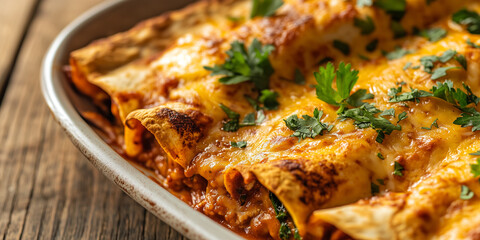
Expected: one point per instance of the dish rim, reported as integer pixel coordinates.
(173, 211)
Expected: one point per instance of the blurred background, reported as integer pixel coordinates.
(48, 190)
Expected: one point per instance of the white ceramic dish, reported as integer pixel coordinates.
(64, 102)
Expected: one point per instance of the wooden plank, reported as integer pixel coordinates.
(15, 16)
(48, 189)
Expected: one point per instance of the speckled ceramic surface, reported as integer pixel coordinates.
(104, 20)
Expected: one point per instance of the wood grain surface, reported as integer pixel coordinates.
(15, 16)
(48, 190)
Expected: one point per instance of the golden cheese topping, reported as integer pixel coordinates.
(355, 179)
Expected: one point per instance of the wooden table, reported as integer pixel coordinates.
(47, 188)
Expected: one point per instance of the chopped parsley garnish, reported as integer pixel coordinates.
(460, 58)
(381, 181)
(282, 216)
(371, 46)
(366, 25)
(363, 57)
(363, 114)
(388, 112)
(361, 3)
(407, 66)
(374, 188)
(396, 95)
(470, 19)
(269, 99)
(477, 153)
(244, 65)
(434, 124)
(441, 72)
(308, 126)
(398, 169)
(397, 53)
(433, 34)
(379, 155)
(395, 8)
(428, 63)
(233, 122)
(247, 65)
(235, 19)
(241, 144)
(398, 30)
(364, 117)
(265, 8)
(402, 116)
(299, 78)
(469, 119)
(475, 168)
(460, 99)
(466, 193)
(342, 47)
(346, 79)
(457, 97)
(471, 44)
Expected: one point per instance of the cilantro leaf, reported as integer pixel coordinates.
(398, 169)
(241, 144)
(397, 53)
(379, 155)
(361, 3)
(366, 25)
(265, 8)
(346, 79)
(407, 66)
(441, 72)
(374, 188)
(398, 30)
(232, 124)
(388, 112)
(447, 55)
(363, 57)
(402, 116)
(269, 99)
(469, 19)
(457, 97)
(428, 63)
(395, 8)
(469, 119)
(477, 153)
(364, 117)
(371, 46)
(466, 193)
(414, 95)
(475, 168)
(471, 44)
(434, 124)
(308, 126)
(342, 47)
(433, 34)
(357, 98)
(244, 65)
(299, 78)
(460, 58)
(248, 120)
(282, 216)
